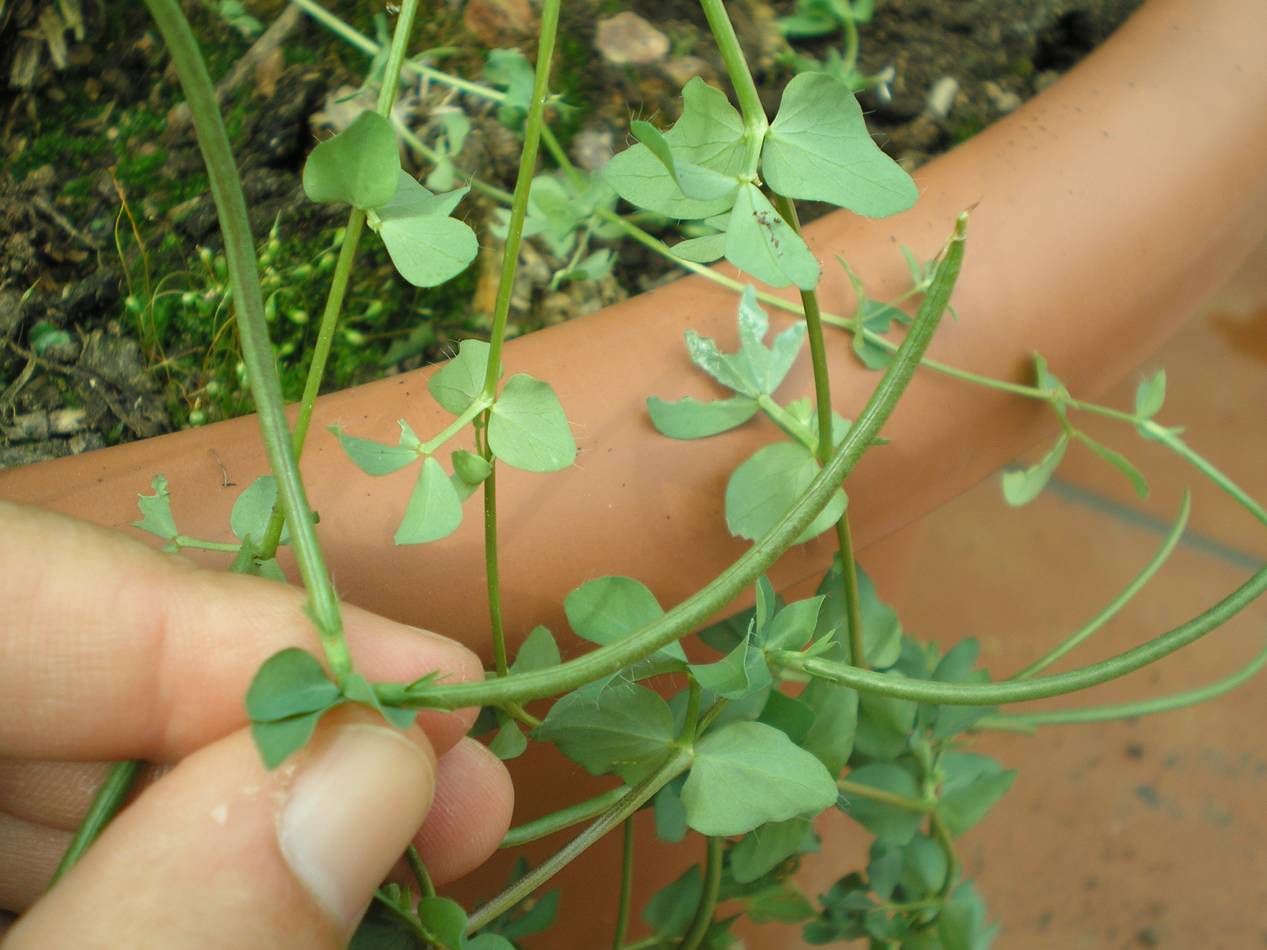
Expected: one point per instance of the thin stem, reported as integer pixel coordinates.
(853, 600)
(564, 818)
(697, 608)
(1128, 593)
(425, 886)
(703, 918)
(991, 694)
(523, 186)
(636, 797)
(257, 353)
(1172, 441)
(105, 805)
(492, 572)
(858, 790)
(850, 60)
(198, 544)
(1147, 707)
(431, 446)
(942, 834)
(690, 722)
(787, 422)
(626, 885)
(736, 64)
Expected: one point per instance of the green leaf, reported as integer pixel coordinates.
(425, 244)
(444, 920)
(884, 724)
(702, 250)
(765, 367)
(359, 166)
(670, 909)
(289, 682)
(695, 181)
(890, 823)
(765, 847)
(434, 510)
(973, 784)
(461, 379)
(509, 70)
(740, 672)
(959, 666)
(670, 813)
(357, 689)
(818, 148)
(1118, 461)
(830, 737)
(253, 509)
(622, 728)
(529, 429)
(537, 652)
(278, 738)
(881, 627)
(1023, 486)
(608, 609)
(510, 742)
(489, 941)
(376, 458)
(793, 626)
(783, 905)
(762, 489)
(790, 716)
(1150, 396)
(382, 929)
(924, 868)
(691, 419)
(759, 242)
(156, 511)
(710, 134)
(962, 925)
(471, 468)
(747, 774)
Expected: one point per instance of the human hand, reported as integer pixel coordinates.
(110, 650)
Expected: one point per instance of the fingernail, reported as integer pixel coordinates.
(354, 805)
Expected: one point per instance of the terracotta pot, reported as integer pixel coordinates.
(1106, 210)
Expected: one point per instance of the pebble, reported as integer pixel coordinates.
(1002, 99)
(628, 39)
(941, 97)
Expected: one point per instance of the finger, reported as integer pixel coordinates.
(110, 650)
(57, 794)
(223, 853)
(29, 853)
(470, 814)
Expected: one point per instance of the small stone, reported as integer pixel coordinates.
(498, 22)
(591, 148)
(941, 97)
(680, 70)
(627, 38)
(1002, 99)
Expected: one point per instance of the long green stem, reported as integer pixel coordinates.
(105, 805)
(1078, 637)
(257, 353)
(523, 186)
(492, 571)
(637, 796)
(991, 694)
(564, 818)
(623, 900)
(905, 802)
(1146, 707)
(703, 918)
(425, 886)
(736, 64)
(715, 595)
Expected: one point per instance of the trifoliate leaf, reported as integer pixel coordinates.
(156, 511)
(691, 419)
(426, 245)
(818, 148)
(1022, 486)
(740, 672)
(290, 682)
(357, 689)
(461, 379)
(747, 774)
(529, 429)
(891, 823)
(625, 728)
(375, 458)
(764, 367)
(765, 847)
(763, 488)
(434, 510)
(359, 166)
(278, 738)
(759, 242)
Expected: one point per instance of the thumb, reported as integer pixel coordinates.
(220, 852)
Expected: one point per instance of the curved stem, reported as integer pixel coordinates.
(1128, 593)
(703, 918)
(858, 790)
(992, 694)
(105, 805)
(425, 886)
(626, 886)
(1146, 707)
(697, 608)
(239, 251)
(636, 797)
(564, 818)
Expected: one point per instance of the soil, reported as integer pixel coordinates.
(114, 322)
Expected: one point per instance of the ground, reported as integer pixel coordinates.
(114, 321)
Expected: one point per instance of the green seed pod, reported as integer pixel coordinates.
(133, 304)
(197, 418)
(297, 316)
(353, 337)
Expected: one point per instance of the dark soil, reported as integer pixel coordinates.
(114, 324)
